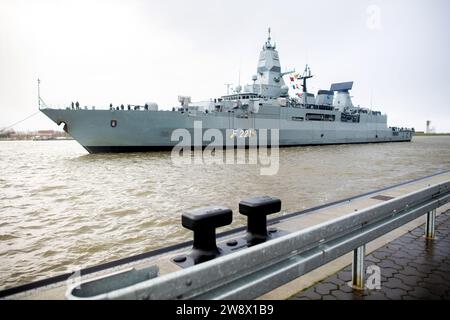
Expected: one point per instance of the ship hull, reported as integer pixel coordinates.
(102, 131)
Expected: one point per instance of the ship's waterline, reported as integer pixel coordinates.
(62, 209)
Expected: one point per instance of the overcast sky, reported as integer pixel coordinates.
(131, 52)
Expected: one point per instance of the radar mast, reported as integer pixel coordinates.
(305, 76)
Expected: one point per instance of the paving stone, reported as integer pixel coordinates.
(437, 259)
(410, 271)
(345, 276)
(417, 247)
(373, 260)
(409, 280)
(353, 294)
(399, 263)
(389, 264)
(342, 295)
(375, 295)
(403, 254)
(441, 265)
(348, 268)
(408, 297)
(395, 294)
(309, 294)
(388, 250)
(418, 233)
(313, 295)
(435, 289)
(423, 294)
(394, 283)
(405, 240)
(421, 268)
(300, 298)
(325, 288)
(381, 255)
(431, 261)
(328, 297)
(346, 288)
(388, 272)
(444, 275)
(434, 278)
(444, 267)
(395, 246)
(337, 281)
(384, 278)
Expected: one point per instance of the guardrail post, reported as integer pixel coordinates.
(430, 224)
(358, 267)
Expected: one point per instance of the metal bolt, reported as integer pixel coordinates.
(232, 243)
(180, 259)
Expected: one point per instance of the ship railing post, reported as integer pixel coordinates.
(430, 224)
(358, 267)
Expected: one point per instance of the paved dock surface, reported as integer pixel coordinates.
(412, 267)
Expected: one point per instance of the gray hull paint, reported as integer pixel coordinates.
(152, 130)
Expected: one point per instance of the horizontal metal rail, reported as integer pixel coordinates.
(251, 272)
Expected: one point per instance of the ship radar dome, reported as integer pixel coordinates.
(284, 90)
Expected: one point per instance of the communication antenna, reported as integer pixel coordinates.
(39, 93)
(305, 76)
(228, 87)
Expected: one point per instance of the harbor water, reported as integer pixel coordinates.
(62, 209)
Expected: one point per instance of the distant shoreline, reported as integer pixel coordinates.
(421, 134)
(61, 139)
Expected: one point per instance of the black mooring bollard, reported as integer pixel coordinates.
(257, 209)
(203, 222)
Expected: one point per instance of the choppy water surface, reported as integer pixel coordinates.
(62, 209)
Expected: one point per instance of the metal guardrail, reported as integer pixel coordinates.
(251, 272)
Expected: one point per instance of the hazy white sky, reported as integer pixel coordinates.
(97, 52)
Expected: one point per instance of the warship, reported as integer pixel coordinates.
(268, 103)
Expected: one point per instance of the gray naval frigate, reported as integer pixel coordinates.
(300, 118)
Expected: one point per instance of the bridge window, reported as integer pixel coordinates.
(320, 117)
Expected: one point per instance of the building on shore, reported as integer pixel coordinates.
(34, 135)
